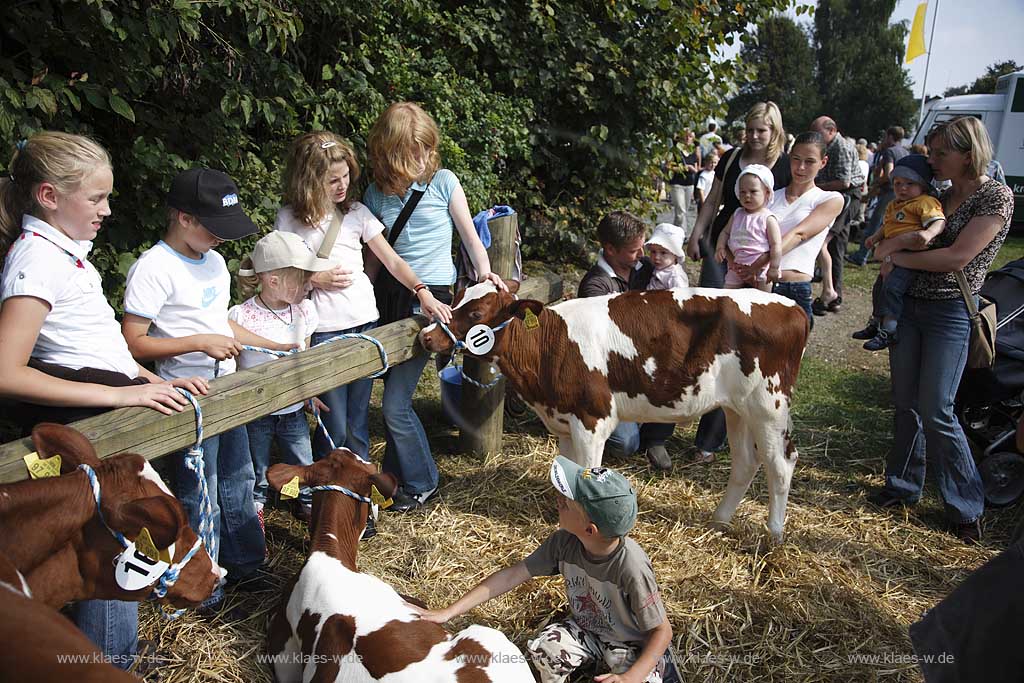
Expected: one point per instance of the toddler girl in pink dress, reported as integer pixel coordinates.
(752, 231)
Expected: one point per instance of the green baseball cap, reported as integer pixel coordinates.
(605, 494)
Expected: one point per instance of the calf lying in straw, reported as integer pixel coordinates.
(65, 534)
(35, 635)
(337, 624)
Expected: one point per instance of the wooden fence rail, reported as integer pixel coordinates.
(244, 396)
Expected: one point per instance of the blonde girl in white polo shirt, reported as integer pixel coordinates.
(55, 323)
(62, 356)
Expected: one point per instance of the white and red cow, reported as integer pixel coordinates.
(584, 365)
(53, 535)
(337, 624)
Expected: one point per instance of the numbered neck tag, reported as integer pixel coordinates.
(530, 320)
(40, 469)
(479, 339)
(291, 489)
(134, 569)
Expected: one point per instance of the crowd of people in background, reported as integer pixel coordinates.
(927, 213)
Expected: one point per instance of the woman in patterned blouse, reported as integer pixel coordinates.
(929, 357)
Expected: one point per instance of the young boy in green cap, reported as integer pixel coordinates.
(617, 616)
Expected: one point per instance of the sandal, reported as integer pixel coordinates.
(818, 306)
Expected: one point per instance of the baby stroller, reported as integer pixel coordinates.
(989, 400)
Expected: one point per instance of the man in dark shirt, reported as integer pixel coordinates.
(621, 266)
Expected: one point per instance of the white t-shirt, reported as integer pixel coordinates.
(290, 325)
(354, 305)
(865, 170)
(705, 179)
(183, 297)
(790, 215)
(80, 330)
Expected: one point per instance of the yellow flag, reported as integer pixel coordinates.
(915, 46)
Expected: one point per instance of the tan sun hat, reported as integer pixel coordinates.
(285, 250)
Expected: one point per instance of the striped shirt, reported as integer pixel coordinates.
(426, 240)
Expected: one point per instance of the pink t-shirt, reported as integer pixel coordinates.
(748, 238)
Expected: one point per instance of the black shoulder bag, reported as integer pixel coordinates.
(395, 300)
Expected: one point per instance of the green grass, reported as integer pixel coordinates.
(863, 278)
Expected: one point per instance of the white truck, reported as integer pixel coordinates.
(1003, 116)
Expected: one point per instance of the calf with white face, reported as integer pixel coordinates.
(339, 624)
(584, 365)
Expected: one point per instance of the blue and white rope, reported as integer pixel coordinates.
(171, 574)
(342, 489)
(459, 345)
(195, 462)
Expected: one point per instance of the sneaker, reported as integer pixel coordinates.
(406, 502)
(702, 457)
(969, 532)
(370, 530)
(868, 332)
(854, 261)
(302, 512)
(880, 341)
(884, 499)
(220, 611)
(254, 582)
(659, 459)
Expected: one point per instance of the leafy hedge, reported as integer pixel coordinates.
(561, 108)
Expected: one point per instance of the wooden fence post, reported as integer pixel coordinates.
(482, 410)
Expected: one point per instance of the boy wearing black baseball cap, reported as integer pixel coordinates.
(176, 314)
(914, 208)
(617, 620)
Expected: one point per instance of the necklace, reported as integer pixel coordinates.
(291, 313)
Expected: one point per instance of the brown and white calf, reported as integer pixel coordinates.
(337, 624)
(584, 365)
(40, 644)
(53, 535)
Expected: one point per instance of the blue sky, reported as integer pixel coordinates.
(969, 36)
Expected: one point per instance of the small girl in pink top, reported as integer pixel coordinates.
(752, 231)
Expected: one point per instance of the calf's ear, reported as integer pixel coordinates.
(513, 286)
(70, 444)
(519, 307)
(162, 515)
(280, 474)
(385, 483)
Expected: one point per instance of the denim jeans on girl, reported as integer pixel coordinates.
(112, 625)
(926, 364)
(230, 480)
(348, 421)
(291, 432)
(800, 292)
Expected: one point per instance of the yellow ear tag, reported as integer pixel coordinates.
(291, 489)
(378, 498)
(40, 469)
(144, 544)
(530, 320)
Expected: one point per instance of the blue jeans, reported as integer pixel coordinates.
(629, 437)
(230, 479)
(112, 625)
(291, 431)
(894, 286)
(711, 430)
(348, 421)
(926, 364)
(800, 292)
(407, 451)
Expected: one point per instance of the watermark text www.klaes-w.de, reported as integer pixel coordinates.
(900, 658)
